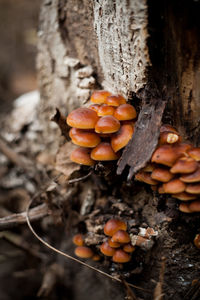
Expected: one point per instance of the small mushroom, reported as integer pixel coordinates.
(104, 152)
(84, 252)
(121, 236)
(145, 177)
(94, 107)
(193, 188)
(82, 156)
(82, 118)
(165, 155)
(99, 97)
(78, 240)
(161, 174)
(115, 100)
(168, 128)
(167, 137)
(128, 248)
(113, 244)
(174, 186)
(113, 225)
(194, 206)
(106, 249)
(193, 177)
(125, 112)
(121, 138)
(107, 124)
(184, 165)
(106, 110)
(194, 153)
(184, 196)
(121, 256)
(84, 138)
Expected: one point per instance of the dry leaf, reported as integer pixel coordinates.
(63, 162)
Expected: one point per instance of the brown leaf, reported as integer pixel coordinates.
(63, 162)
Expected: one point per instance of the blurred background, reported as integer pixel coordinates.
(18, 48)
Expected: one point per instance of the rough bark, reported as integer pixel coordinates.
(109, 44)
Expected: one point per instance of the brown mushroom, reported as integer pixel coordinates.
(113, 244)
(128, 248)
(184, 165)
(145, 177)
(84, 138)
(82, 118)
(113, 225)
(104, 152)
(194, 153)
(184, 196)
(193, 188)
(121, 138)
(193, 177)
(94, 107)
(106, 249)
(83, 252)
(125, 112)
(107, 124)
(121, 256)
(82, 156)
(174, 186)
(167, 127)
(168, 137)
(99, 97)
(78, 240)
(121, 236)
(161, 174)
(115, 100)
(106, 110)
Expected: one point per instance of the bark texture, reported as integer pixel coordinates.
(111, 44)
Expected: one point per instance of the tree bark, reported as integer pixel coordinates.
(125, 47)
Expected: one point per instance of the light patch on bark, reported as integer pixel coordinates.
(121, 28)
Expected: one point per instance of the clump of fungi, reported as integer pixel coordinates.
(83, 251)
(102, 129)
(118, 245)
(174, 169)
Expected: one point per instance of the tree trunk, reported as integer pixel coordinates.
(124, 47)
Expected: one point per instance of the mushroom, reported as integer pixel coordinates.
(168, 128)
(194, 206)
(94, 107)
(184, 196)
(82, 118)
(193, 188)
(194, 153)
(78, 240)
(184, 165)
(83, 252)
(174, 186)
(128, 248)
(84, 138)
(115, 100)
(113, 244)
(121, 256)
(145, 177)
(121, 138)
(165, 155)
(167, 137)
(82, 156)
(121, 236)
(107, 124)
(105, 110)
(99, 97)
(106, 249)
(113, 225)
(193, 177)
(161, 174)
(104, 152)
(125, 112)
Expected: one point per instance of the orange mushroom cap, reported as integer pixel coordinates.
(174, 186)
(194, 153)
(121, 256)
(82, 118)
(128, 248)
(106, 249)
(121, 236)
(84, 138)
(121, 138)
(83, 252)
(115, 100)
(104, 152)
(78, 240)
(125, 112)
(105, 110)
(145, 177)
(113, 225)
(82, 156)
(107, 124)
(99, 97)
(161, 174)
(193, 188)
(113, 244)
(168, 137)
(184, 196)
(193, 177)
(165, 155)
(94, 107)
(184, 165)
(96, 257)
(194, 206)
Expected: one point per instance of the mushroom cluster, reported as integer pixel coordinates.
(118, 245)
(174, 169)
(83, 251)
(102, 129)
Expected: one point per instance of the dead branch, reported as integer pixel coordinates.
(13, 220)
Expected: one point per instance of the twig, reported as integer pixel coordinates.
(13, 220)
(80, 178)
(71, 257)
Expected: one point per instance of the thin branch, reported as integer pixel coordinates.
(13, 220)
(80, 178)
